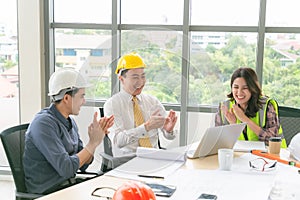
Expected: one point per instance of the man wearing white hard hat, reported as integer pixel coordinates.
(54, 151)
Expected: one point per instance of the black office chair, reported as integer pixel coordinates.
(290, 121)
(13, 140)
(110, 162)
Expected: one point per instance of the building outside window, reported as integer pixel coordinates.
(9, 70)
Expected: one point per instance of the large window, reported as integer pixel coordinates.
(214, 56)
(88, 51)
(224, 13)
(282, 13)
(9, 79)
(9, 76)
(191, 47)
(161, 51)
(202, 50)
(281, 68)
(151, 12)
(78, 11)
(281, 78)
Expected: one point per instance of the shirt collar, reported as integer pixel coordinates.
(66, 122)
(129, 96)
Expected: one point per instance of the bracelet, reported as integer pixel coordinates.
(172, 132)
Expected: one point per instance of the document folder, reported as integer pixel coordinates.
(150, 164)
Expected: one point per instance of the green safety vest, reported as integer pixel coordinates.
(259, 119)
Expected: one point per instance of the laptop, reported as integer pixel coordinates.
(215, 138)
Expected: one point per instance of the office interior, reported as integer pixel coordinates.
(260, 22)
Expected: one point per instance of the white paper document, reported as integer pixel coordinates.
(150, 162)
(226, 185)
(119, 153)
(159, 154)
(247, 146)
(284, 181)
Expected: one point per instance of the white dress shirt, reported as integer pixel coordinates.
(125, 133)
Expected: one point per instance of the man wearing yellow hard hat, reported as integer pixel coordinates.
(139, 117)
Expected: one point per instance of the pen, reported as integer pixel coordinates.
(275, 157)
(149, 176)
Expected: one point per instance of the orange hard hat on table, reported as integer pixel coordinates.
(134, 190)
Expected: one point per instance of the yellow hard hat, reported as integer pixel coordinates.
(130, 61)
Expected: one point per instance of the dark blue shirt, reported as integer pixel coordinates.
(51, 145)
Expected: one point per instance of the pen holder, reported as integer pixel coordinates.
(274, 145)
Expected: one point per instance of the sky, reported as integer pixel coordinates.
(204, 12)
(8, 14)
(283, 12)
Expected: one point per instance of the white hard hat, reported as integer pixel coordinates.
(65, 78)
(294, 147)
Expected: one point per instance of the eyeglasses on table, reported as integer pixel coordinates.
(261, 164)
(105, 193)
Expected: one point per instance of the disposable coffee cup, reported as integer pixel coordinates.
(274, 145)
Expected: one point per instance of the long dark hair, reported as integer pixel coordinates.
(254, 103)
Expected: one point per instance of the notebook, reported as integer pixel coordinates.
(247, 146)
(150, 163)
(215, 138)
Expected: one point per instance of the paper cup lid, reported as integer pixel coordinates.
(275, 139)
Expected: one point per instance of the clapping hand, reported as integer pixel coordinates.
(170, 121)
(239, 113)
(234, 113)
(97, 129)
(229, 114)
(155, 121)
(106, 123)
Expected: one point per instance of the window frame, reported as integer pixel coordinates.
(116, 27)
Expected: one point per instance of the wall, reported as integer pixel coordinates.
(30, 58)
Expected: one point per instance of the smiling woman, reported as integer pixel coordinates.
(247, 104)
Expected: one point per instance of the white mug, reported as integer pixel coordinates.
(225, 157)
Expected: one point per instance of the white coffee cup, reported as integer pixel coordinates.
(225, 157)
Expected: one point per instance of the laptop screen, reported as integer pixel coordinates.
(215, 138)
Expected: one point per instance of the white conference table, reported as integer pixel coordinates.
(193, 171)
